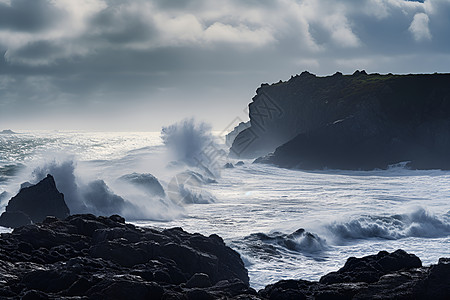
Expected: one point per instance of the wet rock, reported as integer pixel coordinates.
(104, 258)
(88, 257)
(396, 275)
(35, 203)
(371, 268)
(199, 280)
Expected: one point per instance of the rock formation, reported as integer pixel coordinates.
(396, 275)
(88, 257)
(105, 258)
(357, 121)
(229, 138)
(34, 203)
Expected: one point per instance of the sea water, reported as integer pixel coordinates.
(284, 223)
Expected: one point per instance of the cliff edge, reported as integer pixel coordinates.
(356, 121)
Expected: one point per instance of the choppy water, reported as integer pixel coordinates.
(257, 209)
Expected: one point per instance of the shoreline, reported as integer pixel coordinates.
(87, 257)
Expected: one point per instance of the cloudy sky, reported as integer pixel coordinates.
(141, 64)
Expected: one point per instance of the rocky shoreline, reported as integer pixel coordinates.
(89, 257)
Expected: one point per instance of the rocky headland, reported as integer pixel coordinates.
(357, 121)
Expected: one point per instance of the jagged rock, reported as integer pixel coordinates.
(396, 275)
(370, 268)
(229, 138)
(100, 257)
(240, 163)
(88, 257)
(357, 121)
(35, 203)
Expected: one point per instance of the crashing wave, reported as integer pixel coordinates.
(146, 181)
(98, 198)
(187, 188)
(193, 144)
(298, 241)
(418, 223)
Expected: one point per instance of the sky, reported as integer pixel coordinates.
(138, 65)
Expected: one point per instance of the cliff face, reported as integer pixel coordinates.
(354, 121)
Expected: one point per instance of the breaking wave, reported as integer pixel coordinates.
(134, 199)
(192, 143)
(187, 188)
(418, 223)
(273, 244)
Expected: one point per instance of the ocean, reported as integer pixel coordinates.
(284, 223)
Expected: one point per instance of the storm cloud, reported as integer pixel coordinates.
(137, 65)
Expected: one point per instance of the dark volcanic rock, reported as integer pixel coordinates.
(88, 257)
(34, 204)
(396, 275)
(105, 258)
(354, 121)
(370, 268)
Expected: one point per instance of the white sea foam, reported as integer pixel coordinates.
(348, 213)
(418, 223)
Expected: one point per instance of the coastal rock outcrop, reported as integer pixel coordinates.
(34, 203)
(88, 257)
(396, 275)
(357, 121)
(101, 257)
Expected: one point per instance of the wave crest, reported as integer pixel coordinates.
(418, 223)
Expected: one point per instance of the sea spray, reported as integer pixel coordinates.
(418, 223)
(84, 194)
(193, 144)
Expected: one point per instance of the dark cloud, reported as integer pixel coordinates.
(147, 62)
(29, 16)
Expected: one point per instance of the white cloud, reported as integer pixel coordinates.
(178, 30)
(88, 51)
(419, 27)
(224, 33)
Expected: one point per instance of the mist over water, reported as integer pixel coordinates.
(284, 223)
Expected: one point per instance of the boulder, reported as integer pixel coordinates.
(34, 203)
(371, 268)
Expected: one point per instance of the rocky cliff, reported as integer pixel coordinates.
(357, 121)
